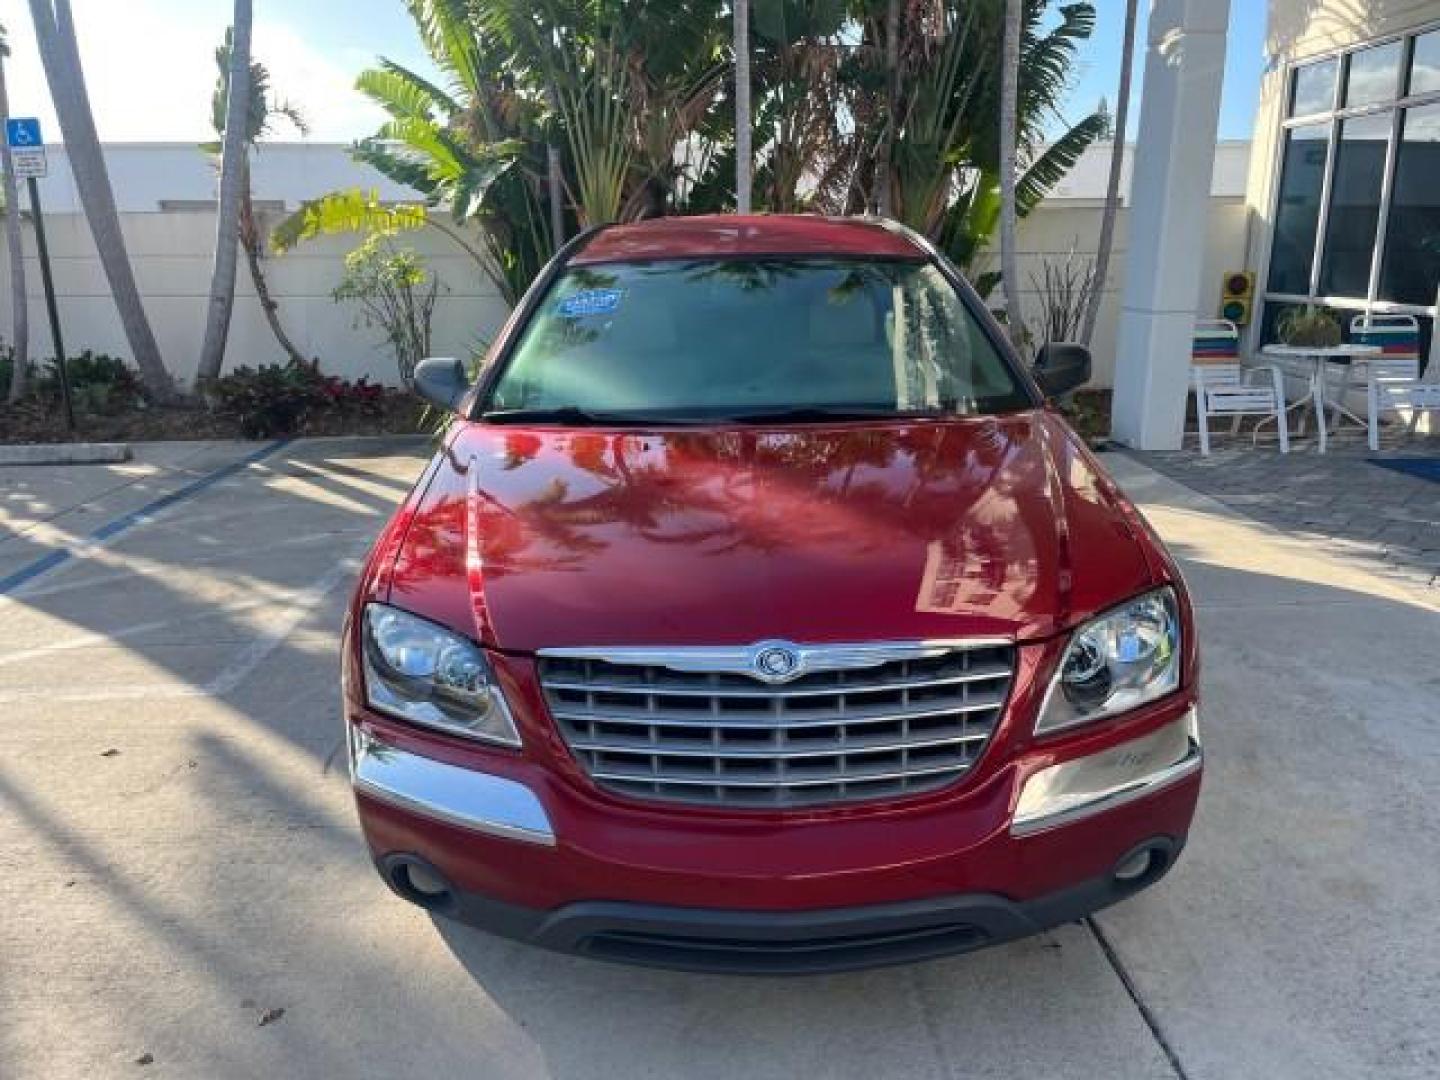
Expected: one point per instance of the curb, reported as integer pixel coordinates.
(64, 454)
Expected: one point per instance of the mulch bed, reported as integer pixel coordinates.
(398, 413)
(1089, 413)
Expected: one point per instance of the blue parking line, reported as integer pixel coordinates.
(46, 563)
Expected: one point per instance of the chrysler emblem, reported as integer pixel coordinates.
(776, 663)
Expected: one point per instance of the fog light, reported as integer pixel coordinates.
(424, 881)
(1075, 789)
(1136, 866)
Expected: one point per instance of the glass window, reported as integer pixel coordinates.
(1355, 205)
(1314, 89)
(1374, 74)
(1297, 214)
(1425, 67)
(1410, 271)
(696, 339)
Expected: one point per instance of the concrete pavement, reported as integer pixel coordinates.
(179, 858)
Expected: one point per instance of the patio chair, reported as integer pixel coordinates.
(1224, 388)
(1391, 381)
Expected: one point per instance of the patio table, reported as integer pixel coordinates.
(1316, 358)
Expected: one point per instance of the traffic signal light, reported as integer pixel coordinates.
(1237, 296)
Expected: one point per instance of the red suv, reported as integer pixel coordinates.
(758, 614)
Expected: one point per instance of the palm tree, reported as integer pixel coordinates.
(253, 123)
(227, 214)
(522, 76)
(1112, 190)
(1009, 102)
(1049, 42)
(744, 155)
(60, 55)
(14, 238)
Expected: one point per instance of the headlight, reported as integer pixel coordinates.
(1121, 659)
(423, 673)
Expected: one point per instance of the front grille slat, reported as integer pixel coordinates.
(680, 689)
(712, 750)
(873, 730)
(766, 719)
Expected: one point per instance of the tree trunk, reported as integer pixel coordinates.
(1112, 191)
(1009, 95)
(251, 241)
(60, 55)
(555, 192)
(15, 240)
(884, 199)
(743, 150)
(233, 175)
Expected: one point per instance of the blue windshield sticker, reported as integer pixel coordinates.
(590, 302)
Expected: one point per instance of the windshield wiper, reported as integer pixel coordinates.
(816, 414)
(574, 416)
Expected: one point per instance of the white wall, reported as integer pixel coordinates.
(171, 253)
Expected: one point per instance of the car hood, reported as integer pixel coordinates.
(534, 538)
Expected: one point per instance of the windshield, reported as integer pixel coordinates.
(735, 338)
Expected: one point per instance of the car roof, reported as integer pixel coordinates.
(731, 235)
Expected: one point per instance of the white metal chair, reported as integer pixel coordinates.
(1224, 388)
(1391, 381)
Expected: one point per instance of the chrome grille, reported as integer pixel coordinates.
(858, 725)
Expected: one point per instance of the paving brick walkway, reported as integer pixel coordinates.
(1341, 500)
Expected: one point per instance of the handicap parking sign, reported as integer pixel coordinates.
(27, 147)
(24, 131)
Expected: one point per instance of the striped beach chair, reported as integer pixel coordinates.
(1391, 381)
(1224, 388)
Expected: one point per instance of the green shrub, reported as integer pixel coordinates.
(99, 383)
(278, 399)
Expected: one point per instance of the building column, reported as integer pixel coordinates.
(1169, 219)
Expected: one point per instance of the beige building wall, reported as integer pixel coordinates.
(1058, 226)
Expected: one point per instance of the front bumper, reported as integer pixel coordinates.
(728, 941)
(525, 853)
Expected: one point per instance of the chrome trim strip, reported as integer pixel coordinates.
(993, 674)
(472, 800)
(780, 782)
(1118, 794)
(770, 753)
(767, 722)
(741, 659)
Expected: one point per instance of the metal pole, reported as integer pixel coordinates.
(50, 304)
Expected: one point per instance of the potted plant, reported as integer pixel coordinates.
(1309, 326)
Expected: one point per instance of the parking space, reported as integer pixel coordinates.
(182, 878)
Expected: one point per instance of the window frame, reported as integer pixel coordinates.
(1333, 118)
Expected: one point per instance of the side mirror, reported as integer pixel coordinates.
(441, 381)
(1061, 367)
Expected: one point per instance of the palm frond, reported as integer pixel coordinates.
(395, 94)
(346, 212)
(450, 38)
(1042, 174)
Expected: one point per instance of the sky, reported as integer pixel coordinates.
(150, 66)
(1099, 74)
